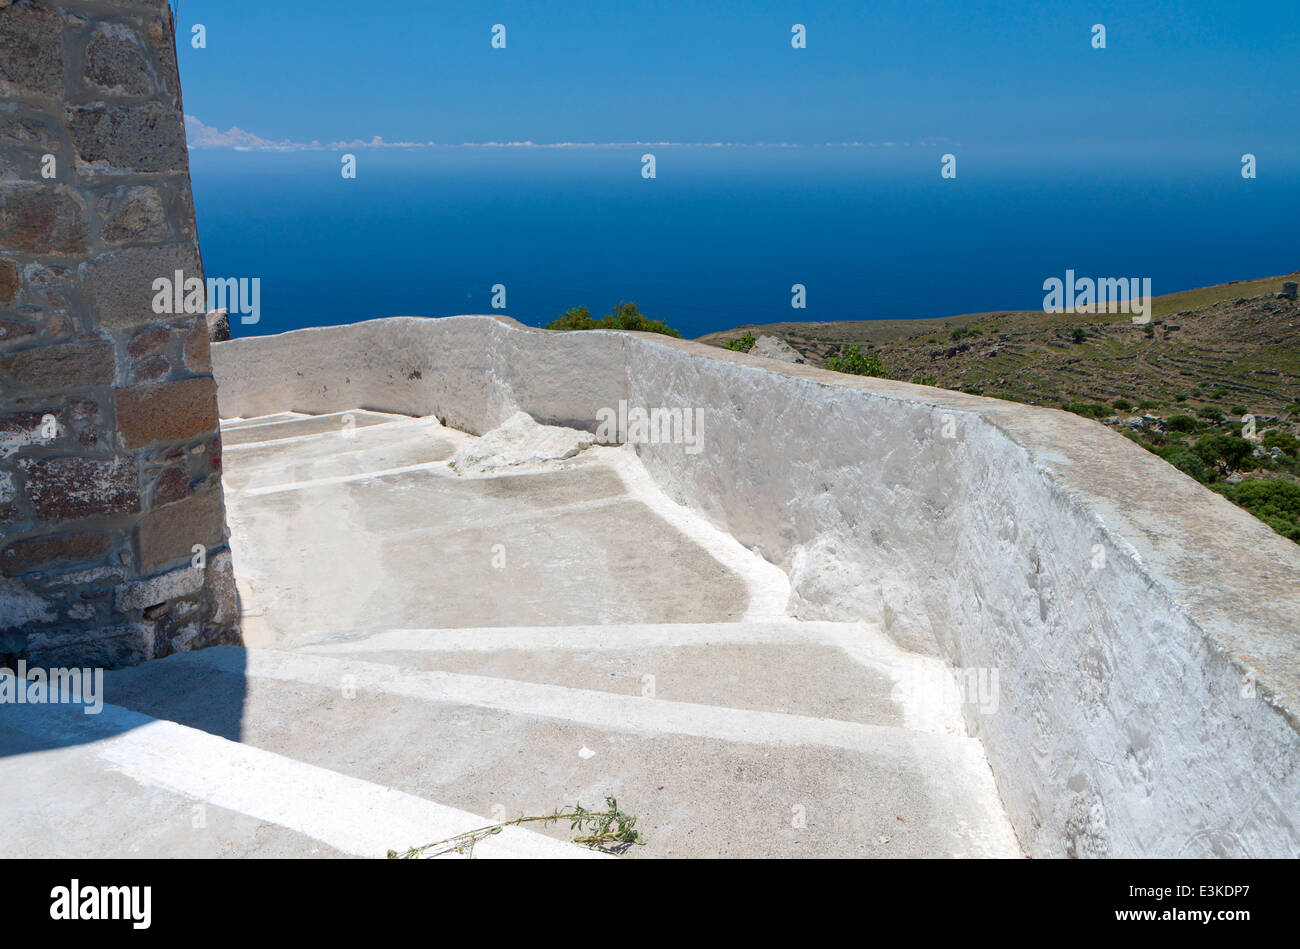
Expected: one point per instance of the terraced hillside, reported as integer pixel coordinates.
(1234, 345)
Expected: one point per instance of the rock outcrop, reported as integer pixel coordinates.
(519, 442)
(773, 348)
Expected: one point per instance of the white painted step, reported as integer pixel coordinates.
(145, 787)
(338, 453)
(847, 671)
(706, 780)
(252, 421)
(297, 428)
(420, 548)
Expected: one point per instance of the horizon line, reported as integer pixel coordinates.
(199, 135)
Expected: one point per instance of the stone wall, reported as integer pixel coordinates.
(1143, 629)
(112, 524)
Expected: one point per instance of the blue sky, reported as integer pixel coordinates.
(1182, 75)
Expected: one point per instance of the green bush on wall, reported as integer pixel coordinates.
(625, 316)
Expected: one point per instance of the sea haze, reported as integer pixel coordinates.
(718, 238)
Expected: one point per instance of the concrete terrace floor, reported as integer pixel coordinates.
(428, 651)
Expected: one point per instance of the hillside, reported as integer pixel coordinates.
(1232, 342)
(1208, 357)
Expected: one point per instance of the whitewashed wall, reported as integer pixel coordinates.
(1145, 632)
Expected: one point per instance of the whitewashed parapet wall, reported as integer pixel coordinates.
(1143, 630)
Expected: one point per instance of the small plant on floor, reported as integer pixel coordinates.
(609, 831)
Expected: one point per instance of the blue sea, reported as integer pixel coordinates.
(721, 234)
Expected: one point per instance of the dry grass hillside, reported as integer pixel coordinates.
(1233, 343)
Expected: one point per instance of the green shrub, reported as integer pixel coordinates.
(1087, 409)
(1185, 461)
(1182, 423)
(851, 360)
(1240, 410)
(625, 316)
(1122, 404)
(1226, 452)
(1211, 412)
(742, 345)
(1283, 440)
(576, 318)
(1275, 502)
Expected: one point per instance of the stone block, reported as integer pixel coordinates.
(139, 595)
(120, 283)
(42, 219)
(61, 367)
(171, 411)
(132, 214)
(198, 352)
(63, 489)
(167, 535)
(19, 605)
(8, 281)
(115, 63)
(53, 552)
(164, 51)
(12, 332)
(128, 138)
(148, 341)
(151, 369)
(20, 429)
(221, 584)
(173, 485)
(26, 136)
(108, 648)
(31, 51)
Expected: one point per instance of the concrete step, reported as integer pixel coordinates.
(430, 548)
(124, 784)
(338, 454)
(705, 779)
(234, 423)
(845, 671)
(296, 426)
